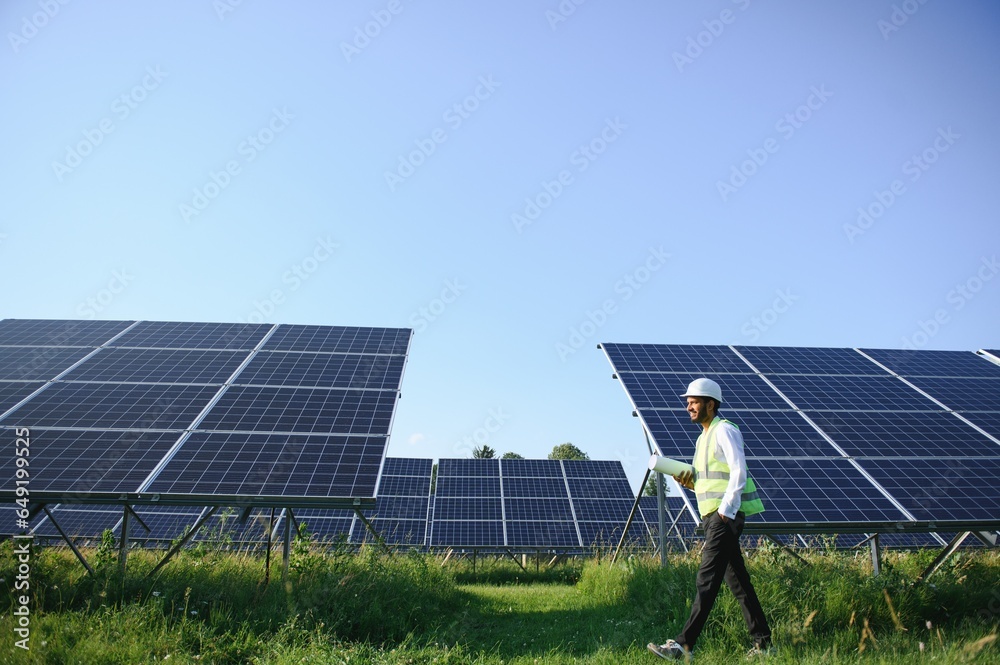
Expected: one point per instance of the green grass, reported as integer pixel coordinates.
(341, 607)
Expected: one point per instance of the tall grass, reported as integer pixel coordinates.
(366, 607)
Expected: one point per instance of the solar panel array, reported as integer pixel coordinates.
(838, 436)
(199, 413)
(546, 504)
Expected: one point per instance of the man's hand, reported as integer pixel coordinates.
(686, 479)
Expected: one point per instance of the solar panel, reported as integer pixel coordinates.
(935, 363)
(323, 370)
(156, 410)
(157, 366)
(962, 394)
(987, 421)
(941, 490)
(903, 434)
(743, 391)
(765, 434)
(339, 339)
(870, 423)
(184, 335)
(529, 503)
(818, 491)
(303, 410)
(112, 405)
(808, 360)
(276, 465)
(39, 332)
(674, 358)
(12, 392)
(33, 363)
(853, 393)
(85, 461)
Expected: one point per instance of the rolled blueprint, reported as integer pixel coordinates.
(671, 467)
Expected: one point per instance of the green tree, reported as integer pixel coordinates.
(568, 451)
(483, 452)
(509, 455)
(650, 488)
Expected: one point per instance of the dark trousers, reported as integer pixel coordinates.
(721, 559)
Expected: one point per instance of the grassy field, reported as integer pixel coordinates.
(342, 607)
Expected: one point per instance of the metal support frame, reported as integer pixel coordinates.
(286, 548)
(786, 548)
(943, 556)
(876, 559)
(68, 540)
(183, 541)
(123, 543)
(513, 556)
(371, 530)
(628, 523)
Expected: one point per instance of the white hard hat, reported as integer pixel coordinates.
(704, 388)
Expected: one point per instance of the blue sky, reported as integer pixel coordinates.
(516, 181)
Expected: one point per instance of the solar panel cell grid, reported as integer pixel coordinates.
(394, 532)
(468, 467)
(325, 370)
(608, 469)
(467, 533)
(481, 486)
(12, 392)
(190, 335)
(603, 510)
(534, 487)
(817, 491)
(304, 410)
(586, 488)
(895, 434)
(467, 508)
(740, 391)
(158, 366)
(107, 406)
(43, 332)
(401, 507)
(272, 465)
(539, 468)
(941, 490)
(544, 534)
(538, 509)
(806, 360)
(408, 466)
(34, 363)
(339, 339)
(674, 358)
(852, 393)
(935, 363)
(391, 485)
(975, 394)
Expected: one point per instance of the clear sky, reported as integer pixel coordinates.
(516, 181)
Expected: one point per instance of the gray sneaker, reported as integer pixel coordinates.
(757, 651)
(670, 651)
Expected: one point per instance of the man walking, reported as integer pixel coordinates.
(726, 495)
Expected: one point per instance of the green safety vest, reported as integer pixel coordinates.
(712, 476)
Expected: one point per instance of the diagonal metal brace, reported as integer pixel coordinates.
(183, 541)
(943, 556)
(68, 540)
